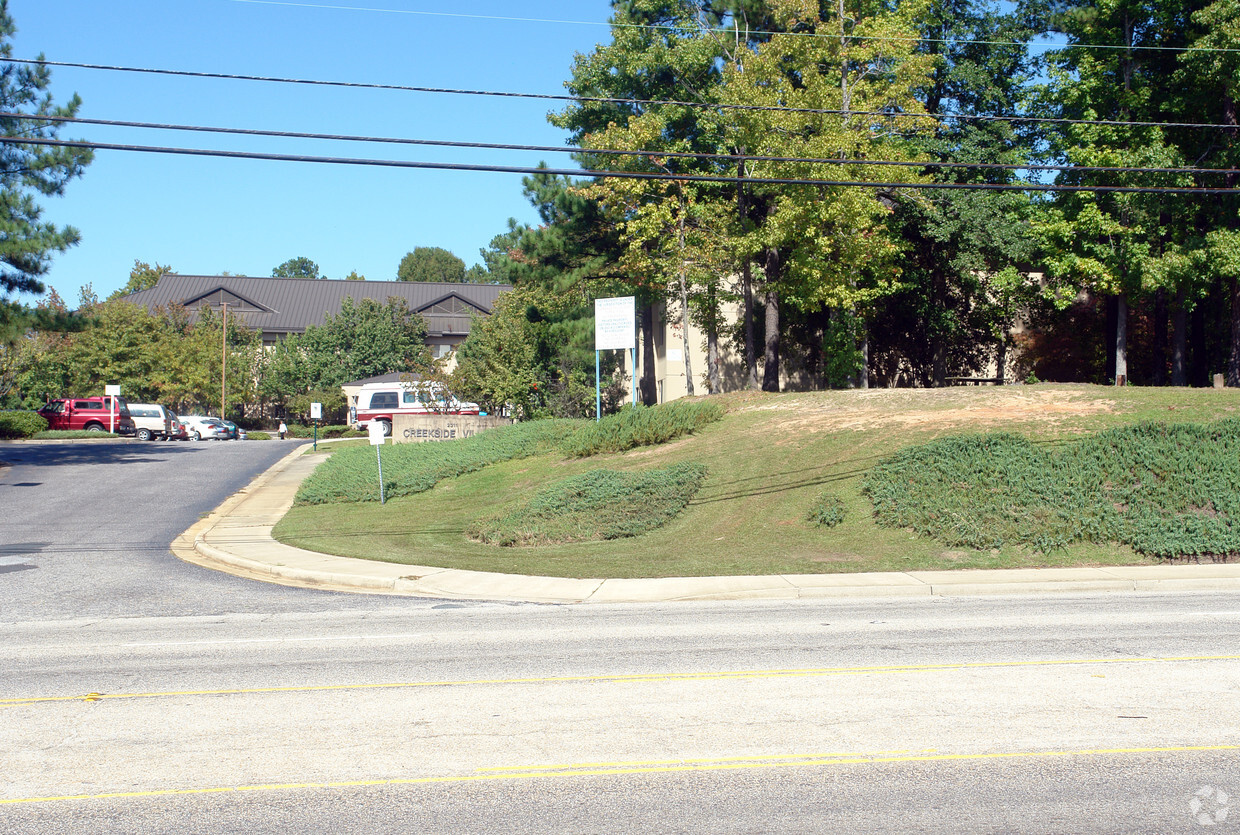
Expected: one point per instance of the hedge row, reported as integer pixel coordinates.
(1166, 490)
(642, 426)
(18, 425)
(350, 475)
(598, 505)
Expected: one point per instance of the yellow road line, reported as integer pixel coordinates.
(620, 678)
(691, 761)
(593, 770)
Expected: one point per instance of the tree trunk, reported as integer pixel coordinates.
(1001, 361)
(751, 351)
(938, 365)
(770, 371)
(1179, 341)
(1200, 362)
(684, 309)
(1158, 362)
(1121, 341)
(819, 320)
(1112, 314)
(712, 343)
(649, 391)
(863, 373)
(1233, 359)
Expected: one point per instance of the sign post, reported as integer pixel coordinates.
(113, 407)
(615, 328)
(316, 414)
(375, 430)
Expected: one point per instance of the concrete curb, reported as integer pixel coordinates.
(236, 538)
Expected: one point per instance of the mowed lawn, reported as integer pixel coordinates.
(768, 460)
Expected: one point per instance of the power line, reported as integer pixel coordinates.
(629, 175)
(609, 100)
(554, 149)
(749, 32)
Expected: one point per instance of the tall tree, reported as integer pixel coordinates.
(27, 242)
(143, 276)
(820, 88)
(363, 340)
(299, 267)
(1127, 62)
(431, 263)
(967, 252)
(640, 92)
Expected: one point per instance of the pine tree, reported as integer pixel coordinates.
(27, 242)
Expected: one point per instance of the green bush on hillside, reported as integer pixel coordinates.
(350, 475)
(16, 425)
(296, 430)
(827, 511)
(642, 426)
(1167, 491)
(598, 505)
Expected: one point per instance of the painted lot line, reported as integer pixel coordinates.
(625, 769)
(623, 677)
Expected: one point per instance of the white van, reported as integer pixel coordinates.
(381, 401)
(151, 421)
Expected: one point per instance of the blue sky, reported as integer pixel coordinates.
(204, 216)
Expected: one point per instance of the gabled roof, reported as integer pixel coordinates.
(290, 305)
(390, 377)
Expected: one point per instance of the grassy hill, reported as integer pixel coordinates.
(769, 462)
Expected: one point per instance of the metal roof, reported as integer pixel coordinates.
(290, 305)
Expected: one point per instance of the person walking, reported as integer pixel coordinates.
(283, 430)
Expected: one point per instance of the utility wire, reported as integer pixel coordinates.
(609, 100)
(628, 175)
(749, 32)
(563, 149)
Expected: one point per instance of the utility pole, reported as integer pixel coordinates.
(223, 360)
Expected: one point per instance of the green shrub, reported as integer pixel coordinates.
(257, 435)
(642, 426)
(1167, 491)
(297, 430)
(598, 505)
(827, 511)
(350, 475)
(15, 425)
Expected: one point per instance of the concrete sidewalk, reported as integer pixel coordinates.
(236, 538)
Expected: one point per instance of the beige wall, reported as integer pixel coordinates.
(417, 429)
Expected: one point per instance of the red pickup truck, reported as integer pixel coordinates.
(90, 414)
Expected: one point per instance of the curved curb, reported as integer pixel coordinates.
(236, 538)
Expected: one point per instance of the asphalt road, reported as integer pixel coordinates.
(85, 529)
(140, 694)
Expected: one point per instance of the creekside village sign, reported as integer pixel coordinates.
(418, 429)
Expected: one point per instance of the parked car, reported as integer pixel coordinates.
(381, 401)
(202, 427)
(152, 421)
(238, 433)
(179, 432)
(89, 414)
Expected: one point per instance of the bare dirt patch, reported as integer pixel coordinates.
(930, 408)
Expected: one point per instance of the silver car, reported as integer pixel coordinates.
(203, 428)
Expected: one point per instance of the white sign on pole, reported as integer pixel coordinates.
(114, 391)
(615, 323)
(375, 431)
(316, 411)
